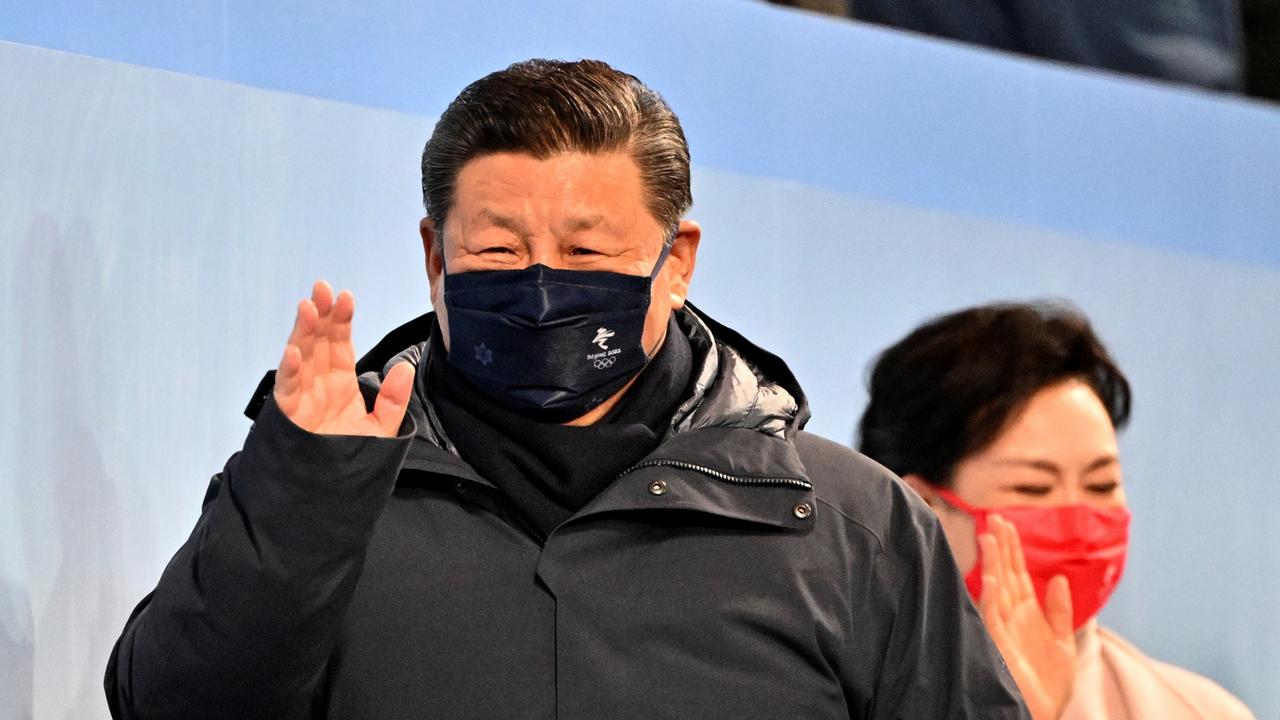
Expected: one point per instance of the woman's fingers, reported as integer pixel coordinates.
(1019, 569)
(992, 577)
(1005, 534)
(1019, 580)
(1002, 563)
(1037, 643)
(1057, 608)
(989, 600)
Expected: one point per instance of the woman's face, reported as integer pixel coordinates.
(1059, 450)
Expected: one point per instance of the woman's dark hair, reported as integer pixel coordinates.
(547, 107)
(945, 391)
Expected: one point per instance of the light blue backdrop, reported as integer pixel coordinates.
(157, 224)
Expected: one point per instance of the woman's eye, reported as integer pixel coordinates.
(1102, 488)
(1032, 490)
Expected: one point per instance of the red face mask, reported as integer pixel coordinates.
(1085, 543)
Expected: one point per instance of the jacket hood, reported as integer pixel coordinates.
(739, 384)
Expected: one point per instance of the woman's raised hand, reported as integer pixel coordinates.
(1038, 644)
(316, 383)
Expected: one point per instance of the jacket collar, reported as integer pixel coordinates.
(728, 452)
(725, 471)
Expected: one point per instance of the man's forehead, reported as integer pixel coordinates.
(569, 220)
(575, 191)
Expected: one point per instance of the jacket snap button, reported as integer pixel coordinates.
(803, 510)
(658, 487)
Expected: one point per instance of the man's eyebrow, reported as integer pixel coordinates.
(587, 222)
(503, 221)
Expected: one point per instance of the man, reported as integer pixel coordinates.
(566, 494)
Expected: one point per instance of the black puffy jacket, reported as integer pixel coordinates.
(744, 569)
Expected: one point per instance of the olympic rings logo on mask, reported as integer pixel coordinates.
(602, 363)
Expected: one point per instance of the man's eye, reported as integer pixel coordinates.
(1102, 488)
(498, 249)
(583, 251)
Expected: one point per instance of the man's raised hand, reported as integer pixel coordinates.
(316, 384)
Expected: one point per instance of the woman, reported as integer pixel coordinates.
(1004, 418)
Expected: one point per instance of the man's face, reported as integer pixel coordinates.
(573, 211)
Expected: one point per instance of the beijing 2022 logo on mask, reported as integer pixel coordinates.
(607, 357)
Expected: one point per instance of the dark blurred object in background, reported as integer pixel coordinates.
(1197, 42)
(1262, 48)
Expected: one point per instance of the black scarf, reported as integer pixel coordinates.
(551, 471)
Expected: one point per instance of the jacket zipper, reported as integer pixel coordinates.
(755, 480)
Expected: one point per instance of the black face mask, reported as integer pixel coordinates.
(548, 344)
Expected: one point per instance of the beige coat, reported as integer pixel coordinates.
(1115, 681)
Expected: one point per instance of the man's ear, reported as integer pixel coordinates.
(681, 261)
(433, 254)
(923, 489)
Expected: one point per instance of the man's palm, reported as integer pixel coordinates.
(316, 383)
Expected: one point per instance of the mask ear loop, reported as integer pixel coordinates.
(954, 501)
(444, 266)
(667, 244)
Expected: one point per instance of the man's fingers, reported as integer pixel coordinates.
(316, 379)
(322, 296)
(393, 399)
(342, 354)
(286, 387)
(303, 336)
(1057, 607)
(304, 323)
(344, 307)
(294, 365)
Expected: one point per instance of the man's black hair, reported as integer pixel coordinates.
(546, 107)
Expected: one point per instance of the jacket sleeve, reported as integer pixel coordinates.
(246, 615)
(939, 661)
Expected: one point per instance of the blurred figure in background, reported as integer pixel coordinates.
(1213, 44)
(1003, 418)
(1262, 48)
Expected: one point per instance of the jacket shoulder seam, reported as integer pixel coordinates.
(853, 521)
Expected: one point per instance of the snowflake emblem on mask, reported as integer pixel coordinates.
(484, 355)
